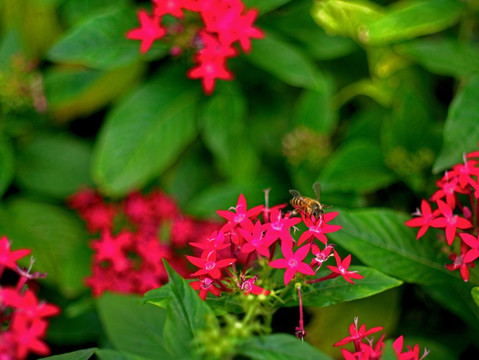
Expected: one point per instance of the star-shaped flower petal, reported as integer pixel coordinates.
(149, 31)
(449, 221)
(342, 268)
(292, 262)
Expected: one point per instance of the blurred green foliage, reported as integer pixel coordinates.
(373, 99)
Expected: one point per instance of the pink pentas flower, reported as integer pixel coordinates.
(280, 227)
(465, 172)
(113, 249)
(410, 354)
(342, 268)
(208, 264)
(449, 221)
(214, 242)
(171, 7)
(292, 262)
(423, 218)
(255, 241)
(318, 228)
(458, 263)
(204, 286)
(357, 334)
(28, 336)
(9, 258)
(149, 31)
(473, 242)
(248, 287)
(208, 70)
(28, 304)
(320, 256)
(241, 215)
(448, 187)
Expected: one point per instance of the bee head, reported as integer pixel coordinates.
(317, 210)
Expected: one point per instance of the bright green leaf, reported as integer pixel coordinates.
(338, 290)
(280, 347)
(57, 239)
(54, 165)
(264, 6)
(99, 42)
(76, 10)
(286, 62)
(7, 164)
(444, 56)
(356, 166)
(461, 130)
(187, 315)
(145, 133)
(133, 327)
(410, 19)
(83, 354)
(345, 18)
(380, 239)
(107, 354)
(475, 295)
(224, 133)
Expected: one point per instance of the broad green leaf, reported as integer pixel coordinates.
(346, 18)
(286, 62)
(83, 354)
(338, 290)
(223, 131)
(444, 56)
(107, 354)
(186, 316)
(54, 165)
(314, 110)
(77, 10)
(7, 164)
(410, 19)
(356, 166)
(160, 296)
(99, 42)
(57, 239)
(461, 130)
(475, 295)
(10, 45)
(264, 6)
(76, 92)
(145, 133)
(133, 327)
(280, 347)
(379, 238)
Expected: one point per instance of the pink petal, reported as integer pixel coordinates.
(302, 252)
(279, 264)
(305, 269)
(288, 275)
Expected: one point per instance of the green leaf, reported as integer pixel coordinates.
(264, 6)
(159, 296)
(133, 327)
(461, 133)
(83, 354)
(444, 56)
(187, 314)
(76, 10)
(54, 165)
(345, 18)
(314, 110)
(72, 93)
(223, 131)
(107, 354)
(338, 290)
(380, 239)
(356, 166)
(287, 63)
(410, 19)
(475, 295)
(57, 239)
(7, 164)
(145, 133)
(280, 347)
(99, 42)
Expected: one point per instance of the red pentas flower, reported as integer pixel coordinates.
(456, 214)
(292, 262)
(212, 31)
(342, 268)
(23, 318)
(142, 230)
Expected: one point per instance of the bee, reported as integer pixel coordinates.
(310, 207)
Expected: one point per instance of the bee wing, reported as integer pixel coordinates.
(294, 193)
(317, 190)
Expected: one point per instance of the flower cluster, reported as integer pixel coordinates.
(209, 27)
(23, 317)
(365, 350)
(454, 208)
(247, 241)
(135, 235)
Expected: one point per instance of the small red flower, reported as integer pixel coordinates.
(292, 262)
(255, 241)
(9, 258)
(204, 286)
(208, 264)
(342, 268)
(449, 221)
(423, 218)
(248, 287)
(280, 227)
(149, 31)
(318, 228)
(241, 215)
(357, 333)
(473, 241)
